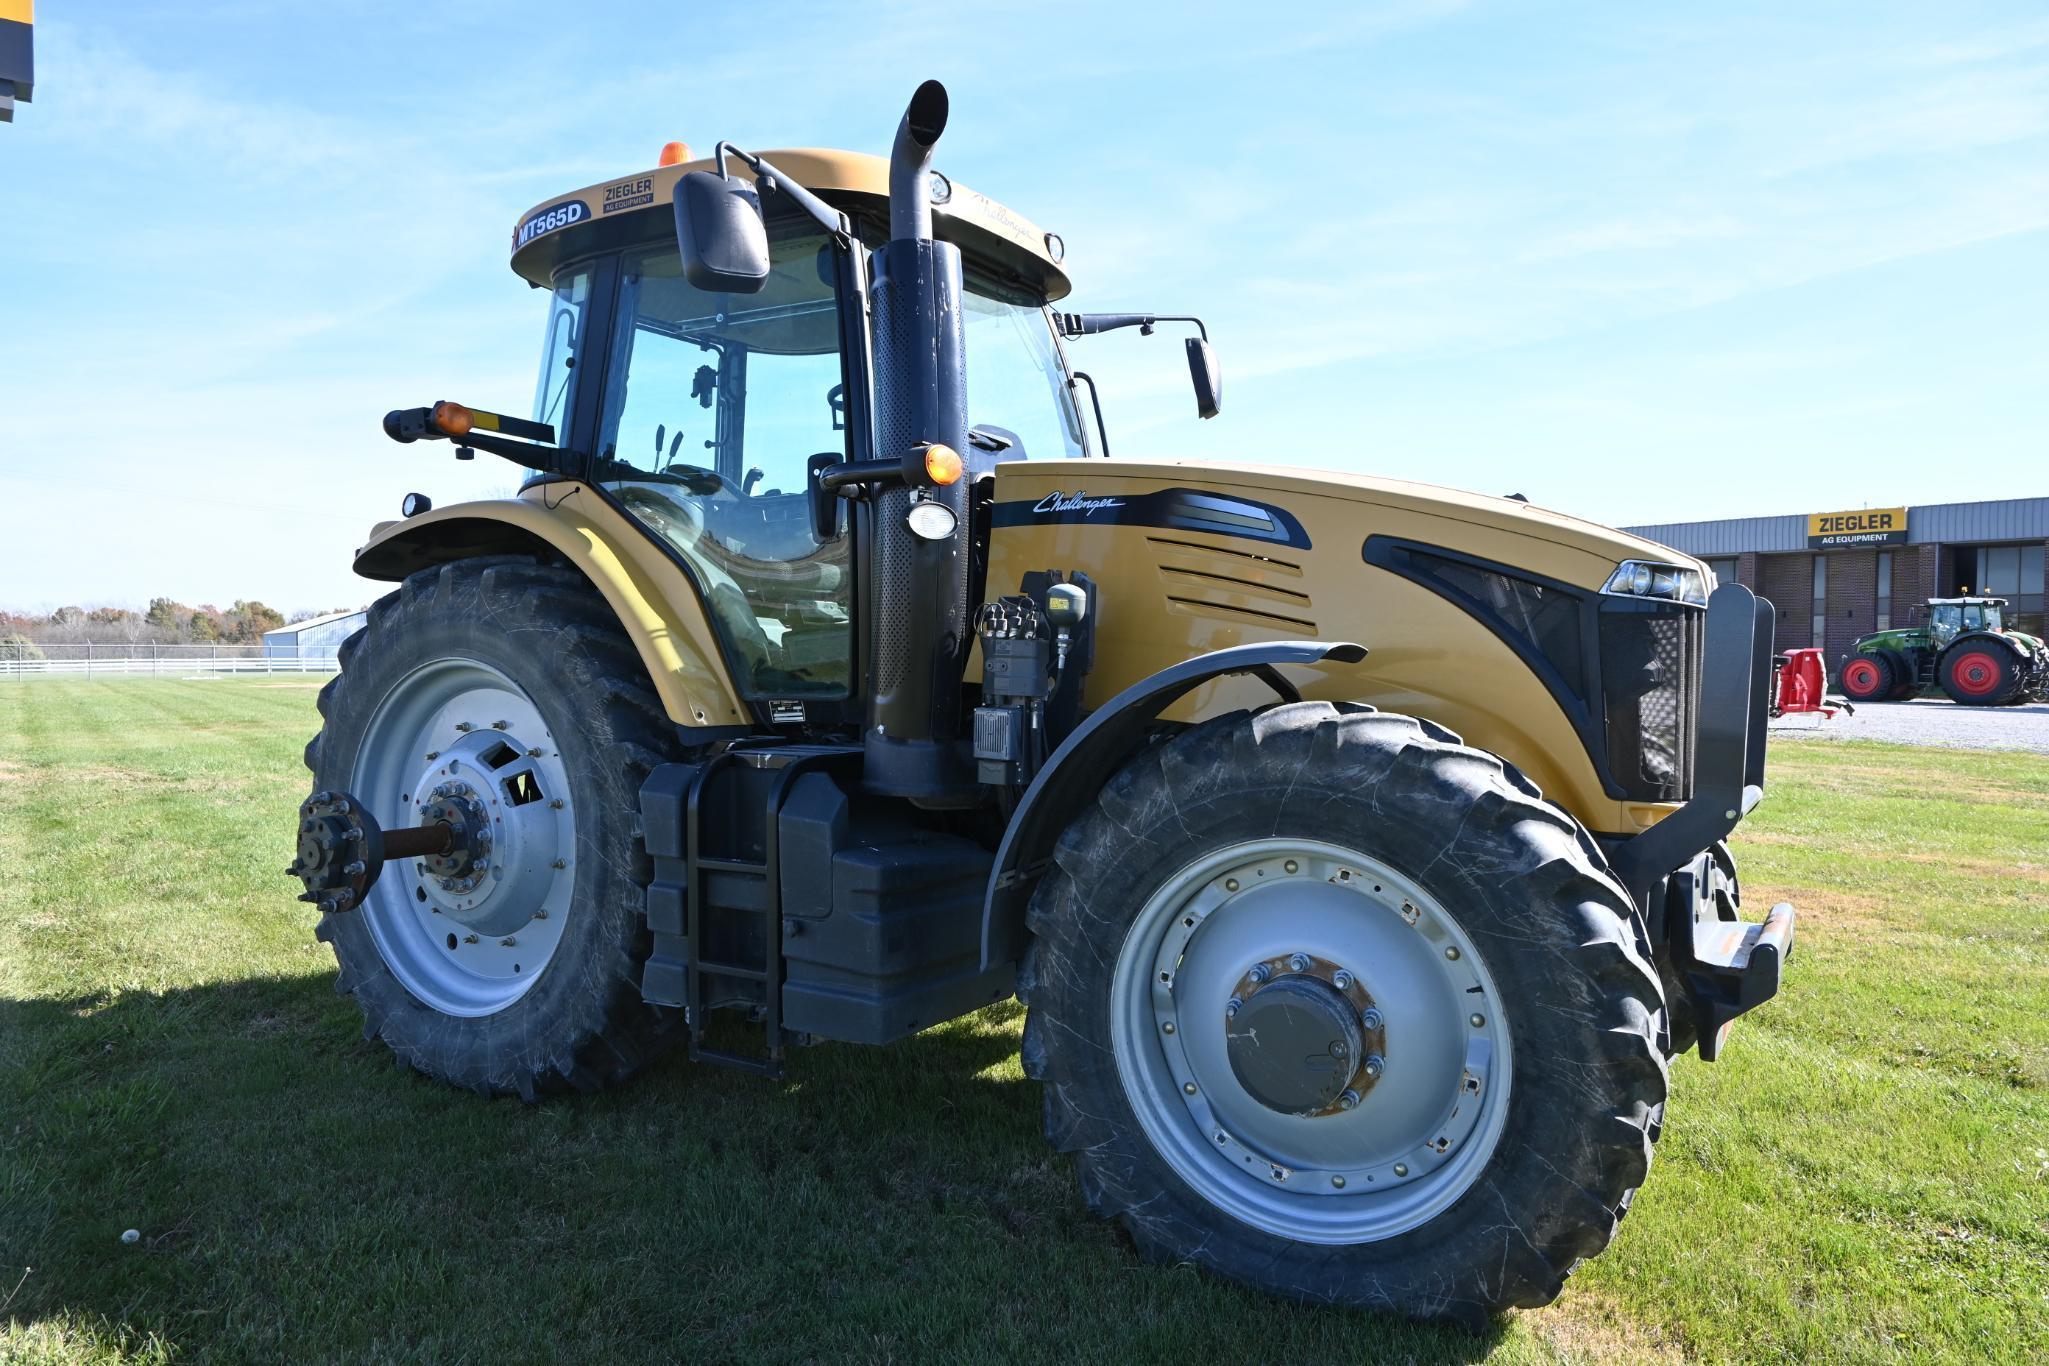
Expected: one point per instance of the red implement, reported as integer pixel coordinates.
(1800, 684)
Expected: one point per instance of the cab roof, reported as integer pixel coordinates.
(988, 233)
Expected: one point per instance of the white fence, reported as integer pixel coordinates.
(163, 661)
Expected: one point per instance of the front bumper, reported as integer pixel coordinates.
(1675, 871)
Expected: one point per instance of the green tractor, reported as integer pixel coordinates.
(1963, 648)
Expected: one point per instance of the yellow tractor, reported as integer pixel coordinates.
(1356, 846)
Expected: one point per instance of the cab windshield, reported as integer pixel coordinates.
(1966, 616)
(713, 406)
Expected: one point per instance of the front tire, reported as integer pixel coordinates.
(508, 686)
(1520, 1084)
(1870, 677)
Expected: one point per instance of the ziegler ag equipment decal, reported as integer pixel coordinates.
(629, 194)
(547, 220)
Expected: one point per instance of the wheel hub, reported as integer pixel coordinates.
(1253, 1004)
(1304, 1040)
(458, 747)
(468, 858)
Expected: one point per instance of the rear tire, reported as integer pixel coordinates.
(515, 679)
(1550, 966)
(1869, 677)
(1980, 673)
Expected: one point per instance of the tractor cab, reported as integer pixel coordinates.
(1949, 618)
(705, 415)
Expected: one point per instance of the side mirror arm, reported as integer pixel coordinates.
(530, 444)
(1088, 324)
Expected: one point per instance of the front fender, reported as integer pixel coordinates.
(1095, 750)
(657, 605)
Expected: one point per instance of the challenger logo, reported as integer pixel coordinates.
(1080, 501)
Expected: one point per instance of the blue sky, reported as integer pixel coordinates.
(1642, 263)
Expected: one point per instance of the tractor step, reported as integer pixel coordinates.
(1735, 969)
(684, 820)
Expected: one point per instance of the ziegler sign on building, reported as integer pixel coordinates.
(1872, 526)
(17, 55)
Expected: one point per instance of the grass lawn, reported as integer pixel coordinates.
(1867, 1172)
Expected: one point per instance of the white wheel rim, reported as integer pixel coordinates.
(1422, 1132)
(469, 946)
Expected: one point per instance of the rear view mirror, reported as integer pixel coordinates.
(1209, 381)
(720, 234)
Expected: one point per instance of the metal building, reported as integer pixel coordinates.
(313, 638)
(1835, 576)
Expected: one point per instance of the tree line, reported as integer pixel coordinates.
(164, 622)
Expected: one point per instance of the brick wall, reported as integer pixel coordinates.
(1913, 581)
(1746, 570)
(1946, 585)
(1787, 581)
(1852, 600)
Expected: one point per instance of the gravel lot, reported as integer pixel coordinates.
(1929, 721)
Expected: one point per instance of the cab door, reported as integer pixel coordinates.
(713, 408)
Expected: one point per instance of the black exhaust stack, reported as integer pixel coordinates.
(918, 591)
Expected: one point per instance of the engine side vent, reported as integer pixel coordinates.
(1249, 589)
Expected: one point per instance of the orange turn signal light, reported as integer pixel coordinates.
(942, 464)
(453, 418)
(674, 154)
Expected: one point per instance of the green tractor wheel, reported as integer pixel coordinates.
(1872, 677)
(1981, 673)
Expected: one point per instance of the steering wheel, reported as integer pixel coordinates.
(694, 478)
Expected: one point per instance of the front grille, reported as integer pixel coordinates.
(1650, 685)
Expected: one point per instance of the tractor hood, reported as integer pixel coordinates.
(1579, 551)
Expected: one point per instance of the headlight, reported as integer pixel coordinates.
(1671, 582)
(930, 521)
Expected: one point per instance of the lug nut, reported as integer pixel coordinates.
(1231, 1008)
(1401, 1169)
(1260, 972)
(1452, 953)
(499, 725)
(1188, 1088)
(464, 726)
(1477, 1021)
(356, 869)
(1337, 1182)
(1291, 867)
(432, 755)
(1349, 1100)
(508, 941)
(1230, 884)
(561, 863)
(1298, 962)
(1374, 1066)
(1341, 979)
(556, 804)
